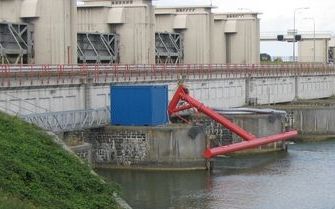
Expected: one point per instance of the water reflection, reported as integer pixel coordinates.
(301, 178)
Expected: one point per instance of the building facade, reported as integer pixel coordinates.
(38, 31)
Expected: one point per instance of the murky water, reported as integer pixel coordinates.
(302, 178)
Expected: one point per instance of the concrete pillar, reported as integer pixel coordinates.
(296, 88)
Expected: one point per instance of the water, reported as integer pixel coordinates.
(302, 178)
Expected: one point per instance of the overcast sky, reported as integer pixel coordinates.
(277, 16)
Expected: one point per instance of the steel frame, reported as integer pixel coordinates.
(69, 120)
(16, 43)
(97, 48)
(169, 48)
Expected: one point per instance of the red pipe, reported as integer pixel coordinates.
(212, 152)
(182, 94)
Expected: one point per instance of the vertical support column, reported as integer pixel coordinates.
(296, 88)
(85, 90)
(30, 43)
(247, 89)
(72, 47)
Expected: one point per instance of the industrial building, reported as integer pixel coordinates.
(147, 35)
(231, 38)
(131, 21)
(195, 25)
(38, 31)
(125, 32)
(315, 48)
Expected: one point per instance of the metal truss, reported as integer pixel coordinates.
(15, 43)
(169, 48)
(70, 120)
(97, 48)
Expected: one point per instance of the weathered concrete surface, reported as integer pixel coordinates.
(258, 124)
(163, 147)
(261, 125)
(314, 119)
(54, 94)
(84, 151)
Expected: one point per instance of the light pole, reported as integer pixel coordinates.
(311, 18)
(294, 30)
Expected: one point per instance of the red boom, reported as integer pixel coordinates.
(182, 94)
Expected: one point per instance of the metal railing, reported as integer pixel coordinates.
(163, 71)
(69, 120)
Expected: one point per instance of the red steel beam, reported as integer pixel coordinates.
(212, 152)
(182, 94)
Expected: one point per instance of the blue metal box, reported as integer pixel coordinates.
(139, 105)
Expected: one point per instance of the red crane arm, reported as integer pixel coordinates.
(182, 95)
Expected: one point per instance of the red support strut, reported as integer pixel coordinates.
(182, 96)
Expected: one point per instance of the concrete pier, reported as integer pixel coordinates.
(314, 119)
(260, 125)
(164, 147)
(172, 147)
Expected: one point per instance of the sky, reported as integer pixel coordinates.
(277, 16)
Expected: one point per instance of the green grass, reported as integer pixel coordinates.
(10, 202)
(37, 173)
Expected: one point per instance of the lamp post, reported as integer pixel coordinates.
(311, 18)
(294, 30)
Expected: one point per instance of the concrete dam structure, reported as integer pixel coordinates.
(38, 32)
(124, 32)
(67, 98)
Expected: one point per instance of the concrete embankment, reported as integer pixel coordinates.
(169, 147)
(314, 119)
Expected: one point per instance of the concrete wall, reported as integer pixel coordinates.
(166, 147)
(93, 19)
(53, 24)
(242, 38)
(272, 90)
(213, 38)
(195, 24)
(133, 22)
(219, 47)
(314, 119)
(33, 100)
(215, 92)
(260, 125)
(306, 50)
(315, 87)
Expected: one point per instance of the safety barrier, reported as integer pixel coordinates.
(124, 73)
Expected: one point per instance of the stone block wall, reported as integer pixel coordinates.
(161, 147)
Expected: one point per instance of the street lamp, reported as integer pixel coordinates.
(294, 31)
(311, 18)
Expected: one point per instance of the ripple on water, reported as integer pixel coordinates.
(303, 178)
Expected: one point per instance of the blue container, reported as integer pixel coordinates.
(139, 105)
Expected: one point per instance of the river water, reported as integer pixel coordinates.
(302, 178)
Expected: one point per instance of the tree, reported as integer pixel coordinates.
(265, 57)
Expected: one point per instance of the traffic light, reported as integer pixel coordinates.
(280, 37)
(297, 37)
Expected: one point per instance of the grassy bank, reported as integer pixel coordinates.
(37, 173)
